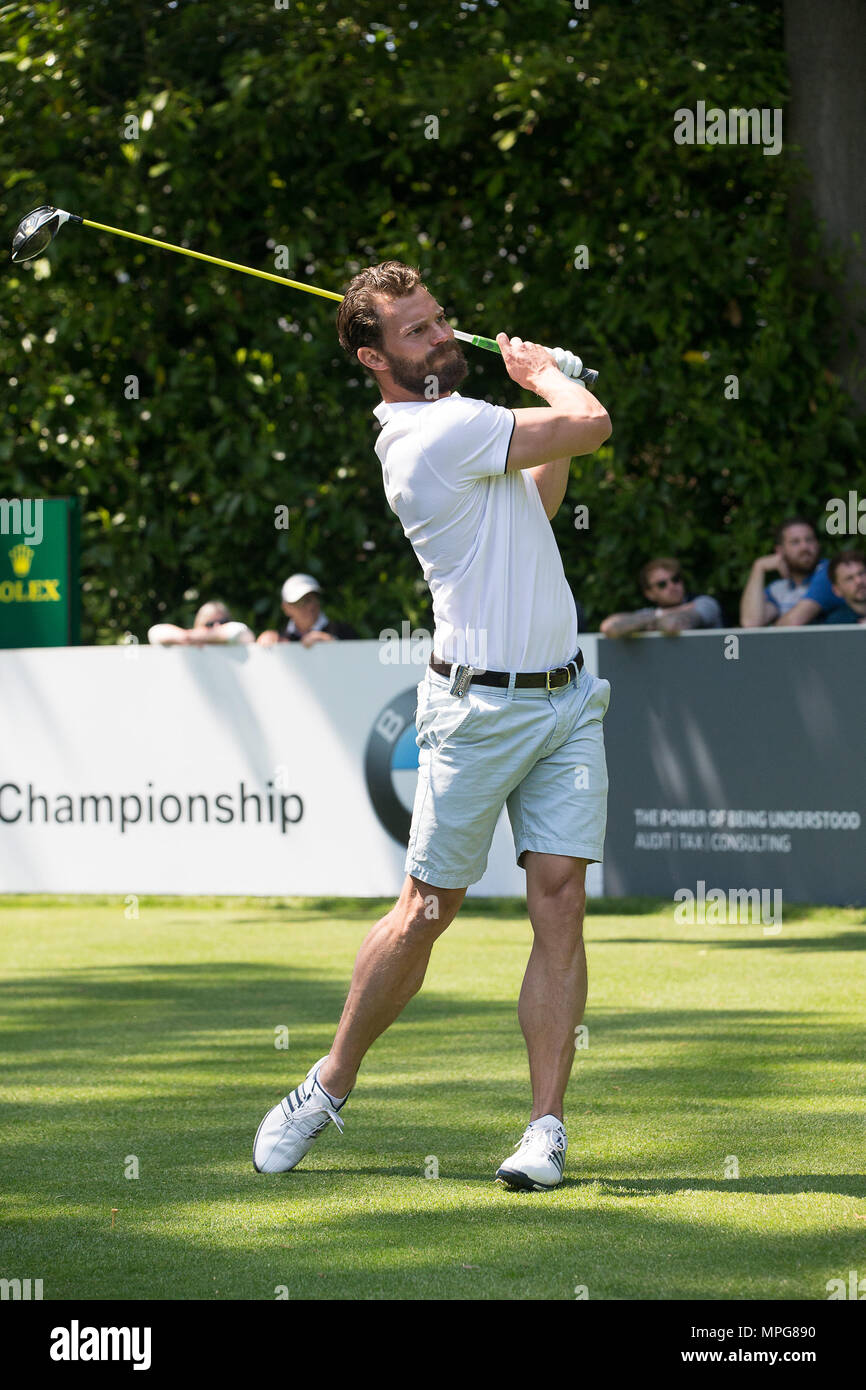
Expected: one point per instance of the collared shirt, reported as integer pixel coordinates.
(342, 631)
(501, 601)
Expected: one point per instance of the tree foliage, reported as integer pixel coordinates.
(309, 128)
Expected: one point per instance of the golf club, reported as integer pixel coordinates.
(37, 230)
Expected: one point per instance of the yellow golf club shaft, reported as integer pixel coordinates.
(214, 260)
(477, 340)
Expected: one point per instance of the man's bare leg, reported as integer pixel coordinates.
(389, 969)
(553, 995)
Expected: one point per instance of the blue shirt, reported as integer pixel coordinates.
(783, 593)
(842, 615)
(820, 590)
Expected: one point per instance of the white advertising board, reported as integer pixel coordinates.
(282, 771)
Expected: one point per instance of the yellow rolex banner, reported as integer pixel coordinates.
(40, 591)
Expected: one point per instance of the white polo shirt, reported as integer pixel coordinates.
(501, 601)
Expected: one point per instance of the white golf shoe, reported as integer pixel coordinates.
(291, 1128)
(538, 1161)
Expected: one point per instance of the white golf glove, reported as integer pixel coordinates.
(567, 363)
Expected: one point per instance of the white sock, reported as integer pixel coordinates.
(336, 1101)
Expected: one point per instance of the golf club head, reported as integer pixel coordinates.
(37, 230)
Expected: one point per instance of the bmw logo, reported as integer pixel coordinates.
(391, 764)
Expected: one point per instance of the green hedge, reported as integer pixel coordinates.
(307, 127)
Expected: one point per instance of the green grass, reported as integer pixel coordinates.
(154, 1037)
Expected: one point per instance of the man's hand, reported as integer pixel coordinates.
(309, 639)
(527, 363)
(765, 564)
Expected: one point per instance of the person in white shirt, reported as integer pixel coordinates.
(508, 715)
(212, 625)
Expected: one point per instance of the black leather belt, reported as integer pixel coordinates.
(550, 680)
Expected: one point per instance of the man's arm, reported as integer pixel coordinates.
(624, 624)
(167, 635)
(756, 610)
(678, 619)
(671, 620)
(574, 423)
(551, 479)
(804, 611)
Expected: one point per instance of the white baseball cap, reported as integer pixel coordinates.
(297, 585)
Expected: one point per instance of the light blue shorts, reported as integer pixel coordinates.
(538, 752)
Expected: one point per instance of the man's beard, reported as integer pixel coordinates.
(444, 369)
(801, 569)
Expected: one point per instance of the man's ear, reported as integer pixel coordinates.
(370, 357)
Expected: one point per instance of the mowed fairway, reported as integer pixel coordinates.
(154, 1039)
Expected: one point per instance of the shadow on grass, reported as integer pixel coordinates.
(665, 908)
(842, 941)
(193, 1042)
(518, 1246)
(841, 1184)
(472, 907)
(179, 1064)
(210, 1016)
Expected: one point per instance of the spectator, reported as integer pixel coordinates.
(672, 609)
(847, 574)
(212, 624)
(307, 623)
(803, 591)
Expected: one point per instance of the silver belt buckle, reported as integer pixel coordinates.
(463, 679)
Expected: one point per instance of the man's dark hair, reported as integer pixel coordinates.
(845, 557)
(358, 322)
(662, 562)
(793, 521)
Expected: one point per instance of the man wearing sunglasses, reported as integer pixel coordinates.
(671, 609)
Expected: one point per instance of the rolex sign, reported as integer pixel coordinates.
(40, 594)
